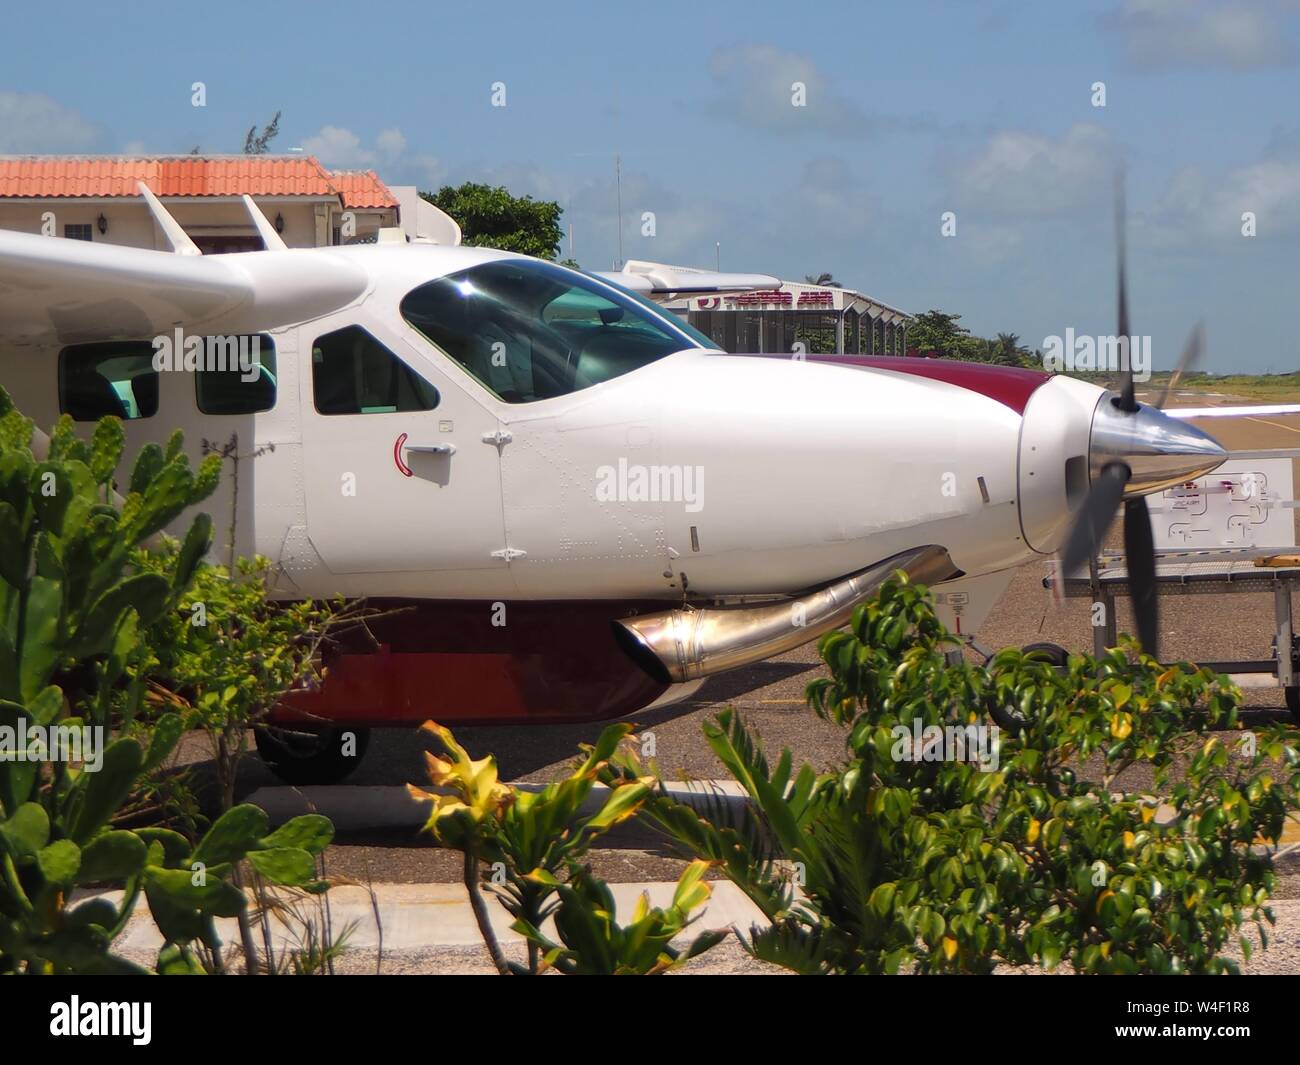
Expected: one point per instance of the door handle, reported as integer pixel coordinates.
(431, 449)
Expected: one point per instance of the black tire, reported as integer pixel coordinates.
(1054, 652)
(1010, 719)
(1293, 701)
(301, 756)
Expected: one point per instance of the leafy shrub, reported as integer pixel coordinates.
(532, 839)
(74, 609)
(1032, 857)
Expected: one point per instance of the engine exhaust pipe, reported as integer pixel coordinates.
(676, 646)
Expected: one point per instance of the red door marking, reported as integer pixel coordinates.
(402, 467)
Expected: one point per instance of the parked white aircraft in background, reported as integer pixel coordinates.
(586, 506)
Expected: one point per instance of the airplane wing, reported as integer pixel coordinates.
(1232, 412)
(53, 289)
(661, 282)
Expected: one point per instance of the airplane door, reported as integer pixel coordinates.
(397, 473)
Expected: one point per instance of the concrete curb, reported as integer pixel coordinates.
(419, 918)
(425, 916)
(354, 808)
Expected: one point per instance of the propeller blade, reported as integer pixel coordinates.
(1095, 516)
(1190, 357)
(1127, 400)
(1140, 553)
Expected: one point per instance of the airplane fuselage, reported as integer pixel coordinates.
(517, 518)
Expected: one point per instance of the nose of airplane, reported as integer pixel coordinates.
(1159, 450)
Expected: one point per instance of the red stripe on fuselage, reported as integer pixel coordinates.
(1008, 385)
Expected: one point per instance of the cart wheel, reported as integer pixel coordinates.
(1053, 652)
(1293, 701)
(299, 756)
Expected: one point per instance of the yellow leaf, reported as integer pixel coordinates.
(1148, 812)
(950, 946)
(1105, 949)
(1121, 725)
(1129, 840)
(1034, 829)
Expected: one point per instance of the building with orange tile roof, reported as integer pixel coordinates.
(97, 198)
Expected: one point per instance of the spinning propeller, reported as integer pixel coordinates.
(1135, 450)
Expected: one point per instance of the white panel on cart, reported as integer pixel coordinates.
(1239, 505)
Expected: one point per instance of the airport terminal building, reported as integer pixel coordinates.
(824, 318)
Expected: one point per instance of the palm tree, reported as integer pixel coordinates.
(1008, 349)
(825, 280)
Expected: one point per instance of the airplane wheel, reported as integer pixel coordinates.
(1054, 652)
(1009, 718)
(1293, 701)
(298, 756)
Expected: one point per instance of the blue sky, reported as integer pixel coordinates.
(912, 109)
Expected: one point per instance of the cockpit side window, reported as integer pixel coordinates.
(530, 330)
(353, 373)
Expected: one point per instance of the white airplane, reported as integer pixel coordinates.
(585, 506)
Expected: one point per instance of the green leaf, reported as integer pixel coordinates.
(13, 556)
(175, 847)
(197, 542)
(146, 593)
(284, 865)
(211, 895)
(25, 832)
(111, 857)
(59, 862)
(232, 835)
(41, 647)
(309, 832)
(167, 732)
(99, 794)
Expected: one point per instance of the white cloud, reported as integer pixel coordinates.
(391, 144)
(1203, 33)
(828, 199)
(1199, 206)
(35, 123)
(756, 83)
(339, 147)
(1029, 174)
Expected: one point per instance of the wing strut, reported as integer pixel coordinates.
(176, 236)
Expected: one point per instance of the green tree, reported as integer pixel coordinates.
(490, 217)
(937, 333)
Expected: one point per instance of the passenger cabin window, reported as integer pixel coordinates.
(353, 373)
(530, 330)
(115, 378)
(238, 376)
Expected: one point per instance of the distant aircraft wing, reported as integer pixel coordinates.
(53, 289)
(1232, 412)
(662, 282)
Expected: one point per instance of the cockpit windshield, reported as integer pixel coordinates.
(530, 330)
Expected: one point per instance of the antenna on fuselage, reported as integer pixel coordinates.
(171, 229)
